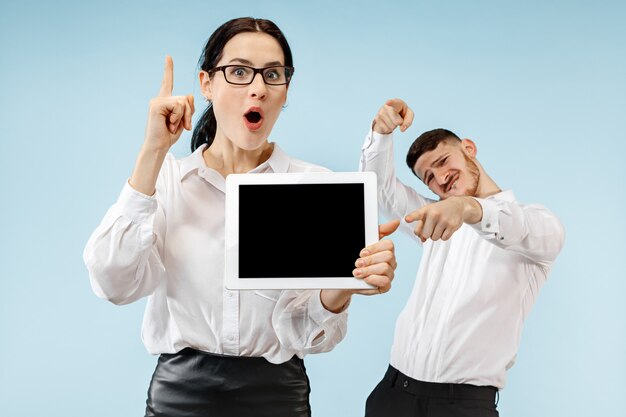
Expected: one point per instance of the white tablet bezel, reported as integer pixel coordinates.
(231, 267)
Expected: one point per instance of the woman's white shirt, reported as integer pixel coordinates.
(170, 248)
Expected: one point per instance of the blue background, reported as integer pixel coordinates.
(540, 86)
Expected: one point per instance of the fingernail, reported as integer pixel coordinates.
(356, 272)
(360, 263)
(364, 252)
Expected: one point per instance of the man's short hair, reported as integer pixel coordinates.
(427, 142)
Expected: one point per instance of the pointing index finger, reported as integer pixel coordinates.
(414, 216)
(401, 108)
(398, 105)
(167, 85)
(408, 119)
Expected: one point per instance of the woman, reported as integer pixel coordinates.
(221, 352)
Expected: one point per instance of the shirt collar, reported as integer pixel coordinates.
(277, 162)
(192, 163)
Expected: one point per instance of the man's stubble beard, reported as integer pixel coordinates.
(474, 174)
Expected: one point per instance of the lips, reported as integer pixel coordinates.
(452, 182)
(253, 118)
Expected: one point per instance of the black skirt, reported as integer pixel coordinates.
(192, 383)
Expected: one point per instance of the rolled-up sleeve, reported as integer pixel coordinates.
(122, 254)
(303, 324)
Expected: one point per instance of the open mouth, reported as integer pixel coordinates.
(253, 117)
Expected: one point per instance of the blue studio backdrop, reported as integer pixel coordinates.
(540, 86)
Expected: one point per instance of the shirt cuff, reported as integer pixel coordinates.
(489, 224)
(136, 206)
(318, 312)
(376, 141)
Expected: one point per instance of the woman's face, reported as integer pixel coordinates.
(235, 105)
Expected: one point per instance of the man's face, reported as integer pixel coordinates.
(449, 169)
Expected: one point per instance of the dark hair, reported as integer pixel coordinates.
(205, 129)
(426, 142)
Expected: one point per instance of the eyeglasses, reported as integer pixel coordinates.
(244, 75)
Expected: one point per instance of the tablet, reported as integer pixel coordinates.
(298, 230)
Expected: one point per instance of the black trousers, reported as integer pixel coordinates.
(191, 383)
(398, 395)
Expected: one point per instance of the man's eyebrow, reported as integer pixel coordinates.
(432, 164)
(438, 159)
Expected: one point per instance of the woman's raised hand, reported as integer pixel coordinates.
(168, 114)
(167, 118)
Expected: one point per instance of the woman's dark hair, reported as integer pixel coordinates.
(205, 129)
(427, 142)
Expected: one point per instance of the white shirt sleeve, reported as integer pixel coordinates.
(531, 230)
(395, 199)
(303, 324)
(122, 254)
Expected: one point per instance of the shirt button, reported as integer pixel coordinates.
(229, 294)
(501, 237)
(231, 338)
(405, 384)
(488, 225)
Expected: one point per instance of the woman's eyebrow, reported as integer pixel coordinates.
(273, 64)
(246, 62)
(241, 60)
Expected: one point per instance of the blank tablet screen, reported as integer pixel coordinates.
(300, 230)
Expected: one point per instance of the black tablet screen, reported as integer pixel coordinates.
(300, 230)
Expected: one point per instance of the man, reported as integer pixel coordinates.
(485, 257)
